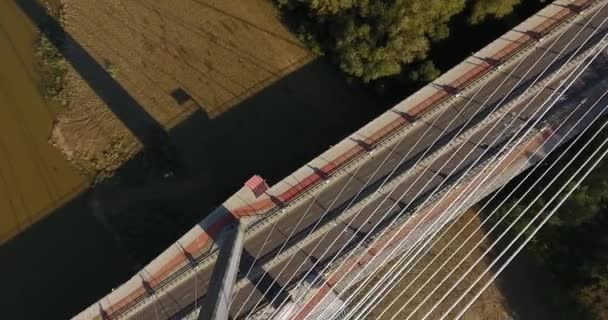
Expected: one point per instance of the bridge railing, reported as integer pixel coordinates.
(380, 137)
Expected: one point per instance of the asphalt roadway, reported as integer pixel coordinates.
(423, 180)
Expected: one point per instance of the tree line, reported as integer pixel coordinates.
(375, 39)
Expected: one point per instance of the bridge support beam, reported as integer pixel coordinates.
(216, 305)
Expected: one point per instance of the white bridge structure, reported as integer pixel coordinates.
(305, 247)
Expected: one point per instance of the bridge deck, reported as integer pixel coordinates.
(298, 219)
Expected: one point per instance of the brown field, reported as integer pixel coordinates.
(521, 292)
(173, 58)
(34, 177)
(214, 91)
(253, 101)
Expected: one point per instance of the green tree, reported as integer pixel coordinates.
(424, 72)
(593, 296)
(372, 39)
(573, 246)
(332, 6)
(484, 9)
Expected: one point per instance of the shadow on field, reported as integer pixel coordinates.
(98, 239)
(528, 290)
(147, 130)
(271, 134)
(531, 293)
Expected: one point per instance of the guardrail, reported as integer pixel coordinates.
(381, 136)
(469, 79)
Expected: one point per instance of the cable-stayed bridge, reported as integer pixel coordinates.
(383, 191)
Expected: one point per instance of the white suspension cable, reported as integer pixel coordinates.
(391, 283)
(420, 257)
(196, 288)
(283, 245)
(488, 217)
(469, 121)
(554, 59)
(527, 240)
(405, 157)
(379, 167)
(437, 303)
(390, 175)
(337, 197)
